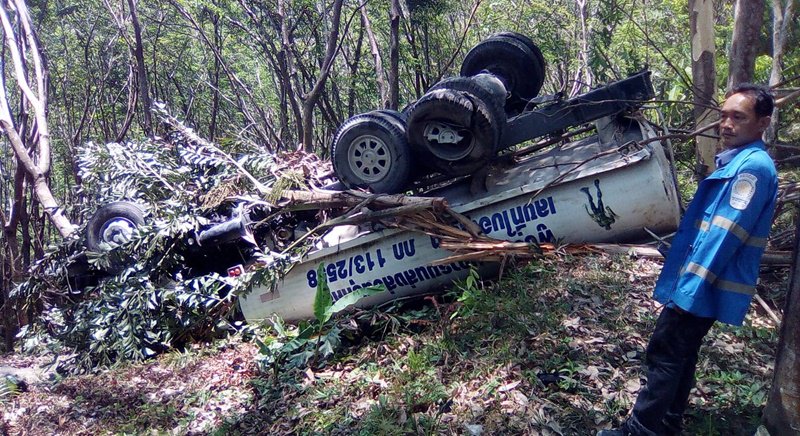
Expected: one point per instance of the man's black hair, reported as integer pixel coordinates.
(764, 102)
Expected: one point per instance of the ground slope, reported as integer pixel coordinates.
(556, 347)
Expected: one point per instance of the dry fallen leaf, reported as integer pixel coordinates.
(571, 322)
(508, 386)
(633, 385)
(591, 372)
(519, 397)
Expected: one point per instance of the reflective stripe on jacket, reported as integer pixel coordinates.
(712, 267)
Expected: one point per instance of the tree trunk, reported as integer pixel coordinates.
(747, 21)
(12, 223)
(130, 110)
(380, 75)
(39, 224)
(351, 94)
(138, 51)
(313, 96)
(394, 56)
(25, 229)
(287, 71)
(36, 170)
(782, 19)
(782, 413)
(704, 78)
(420, 84)
(11, 259)
(8, 269)
(584, 77)
(212, 128)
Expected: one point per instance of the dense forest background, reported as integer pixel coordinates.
(268, 76)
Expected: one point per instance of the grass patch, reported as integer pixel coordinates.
(556, 346)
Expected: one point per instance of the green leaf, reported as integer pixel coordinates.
(293, 345)
(323, 300)
(327, 348)
(301, 359)
(263, 348)
(352, 298)
(308, 331)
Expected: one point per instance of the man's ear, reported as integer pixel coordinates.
(763, 123)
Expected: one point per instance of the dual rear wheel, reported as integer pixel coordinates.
(454, 129)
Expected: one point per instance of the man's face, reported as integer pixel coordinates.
(739, 124)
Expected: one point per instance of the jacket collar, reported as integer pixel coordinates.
(732, 167)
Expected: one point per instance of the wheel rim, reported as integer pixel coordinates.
(117, 231)
(369, 158)
(446, 141)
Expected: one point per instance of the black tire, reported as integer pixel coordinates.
(457, 116)
(520, 69)
(400, 119)
(487, 89)
(528, 43)
(112, 225)
(395, 115)
(371, 151)
(406, 110)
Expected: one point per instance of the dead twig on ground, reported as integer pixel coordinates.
(767, 309)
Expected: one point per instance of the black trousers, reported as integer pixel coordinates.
(671, 360)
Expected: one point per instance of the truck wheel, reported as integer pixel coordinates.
(449, 126)
(519, 68)
(486, 88)
(113, 225)
(399, 116)
(371, 151)
(528, 43)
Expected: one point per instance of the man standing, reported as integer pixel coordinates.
(711, 269)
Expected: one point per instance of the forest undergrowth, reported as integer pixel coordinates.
(555, 347)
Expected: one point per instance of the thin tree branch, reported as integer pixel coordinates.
(461, 40)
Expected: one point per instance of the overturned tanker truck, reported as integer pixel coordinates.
(462, 141)
(607, 187)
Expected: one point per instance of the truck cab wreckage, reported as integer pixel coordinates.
(461, 141)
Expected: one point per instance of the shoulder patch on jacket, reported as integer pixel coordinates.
(744, 187)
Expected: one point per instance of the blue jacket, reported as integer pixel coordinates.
(712, 267)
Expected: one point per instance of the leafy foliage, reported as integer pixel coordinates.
(468, 292)
(142, 303)
(10, 386)
(310, 343)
